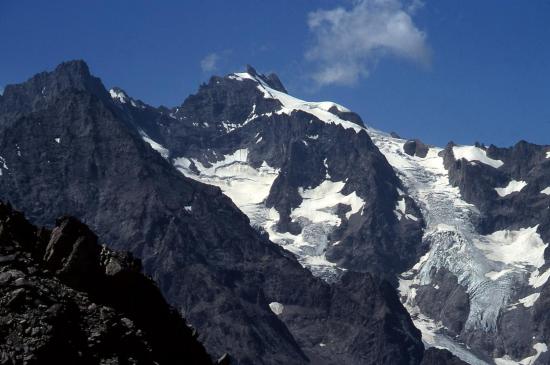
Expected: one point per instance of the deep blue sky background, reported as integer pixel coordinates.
(489, 78)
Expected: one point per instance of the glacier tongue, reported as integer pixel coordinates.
(454, 244)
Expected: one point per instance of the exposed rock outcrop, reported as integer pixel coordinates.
(434, 356)
(64, 299)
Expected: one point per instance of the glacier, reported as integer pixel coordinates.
(487, 266)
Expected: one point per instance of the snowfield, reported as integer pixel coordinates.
(247, 186)
(514, 248)
(154, 145)
(512, 187)
(277, 308)
(472, 153)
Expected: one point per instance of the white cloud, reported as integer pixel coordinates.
(210, 62)
(349, 42)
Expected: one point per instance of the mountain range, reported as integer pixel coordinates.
(288, 231)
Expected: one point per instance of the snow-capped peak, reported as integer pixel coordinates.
(119, 94)
(289, 104)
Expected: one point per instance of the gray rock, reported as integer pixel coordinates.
(434, 356)
(137, 327)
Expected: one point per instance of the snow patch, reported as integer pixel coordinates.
(230, 126)
(400, 208)
(538, 347)
(319, 203)
(536, 280)
(529, 300)
(472, 153)
(247, 186)
(183, 164)
(154, 145)
(512, 187)
(4, 165)
(276, 308)
(517, 248)
(118, 95)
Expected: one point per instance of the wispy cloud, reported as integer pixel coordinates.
(348, 42)
(210, 62)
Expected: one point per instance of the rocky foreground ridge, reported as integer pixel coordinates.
(65, 299)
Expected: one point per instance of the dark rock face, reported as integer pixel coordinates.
(526, 208)
(434, 356)
(272, 79)
(77, 152)
(358, 298)
(415, 147)
(541, 319)
(445, 300)
(67, 300)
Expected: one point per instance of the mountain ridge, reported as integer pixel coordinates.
(439, 223)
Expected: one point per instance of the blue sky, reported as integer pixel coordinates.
(459, 70)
